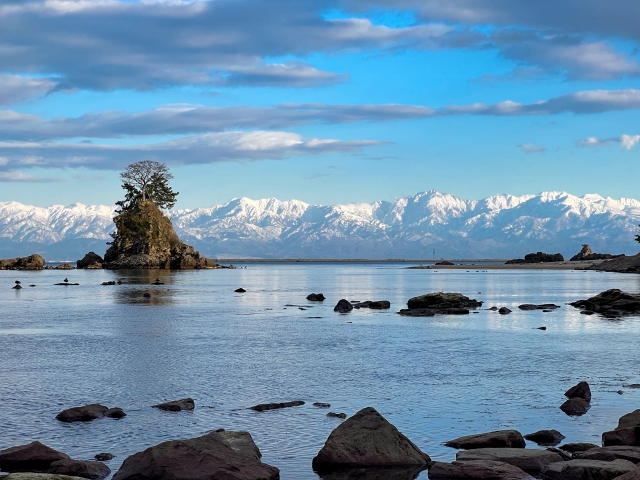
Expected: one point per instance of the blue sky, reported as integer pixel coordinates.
(332, 101)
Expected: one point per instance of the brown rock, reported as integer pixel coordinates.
(177, 405)
(273, 406)
(478, 469)
(587, 470)
(629, 420)
(611, 453)
(90, 260)
(622, 436)
(575, 407)
(581, 390)
(498, 439)
(32, 262)
(577, 447)
(529, 460)
(33, 457)
(79, 468)
(89, 412)
(547, 438)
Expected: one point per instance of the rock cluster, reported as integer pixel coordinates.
(91, 261)
(537, 258)
(32, 262)
(146, 239)
(610, 303)
(587, 254)
(439, 303)
(630, 264)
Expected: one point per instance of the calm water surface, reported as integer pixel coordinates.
(434, 378)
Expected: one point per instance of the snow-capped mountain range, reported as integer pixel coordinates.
(500, 226)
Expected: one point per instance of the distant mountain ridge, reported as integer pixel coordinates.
(499, 226)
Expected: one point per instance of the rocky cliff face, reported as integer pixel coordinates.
(146, 239)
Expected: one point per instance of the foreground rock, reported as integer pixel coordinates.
(89, 412)
(343, 306)
(439, 303)
(274, 406)
(32, 457)
(32, 262)
(611, 303)
(537, 258)
(476, 469)
(177, 405)
(80, 468)
(316, 297)
(531, 461)
(217, 455)
(577, 447)
(372, 473)
(608, 454)
(146, 239)
(587, 470)
(368, 439)
(547, 438)
(498, 439)
(91, 260)
(587, 254)
(634, 475)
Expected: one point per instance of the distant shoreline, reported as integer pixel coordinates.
(566, 265)
(353, 260)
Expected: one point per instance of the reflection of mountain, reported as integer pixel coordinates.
(499, 226)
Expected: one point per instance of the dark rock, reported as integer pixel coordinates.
(630, 264)
(565, 455)
(504, 311)
(587, 254)
(90, 260)
(439, 303)
(445, 262)
(545, 306)
(577, 447)
(343, 306)
(67, 284)
(177, 405)
(147, 295)
(104, 457)
(38, 476)
(273, 406)
(368, 439)
(17, 286)
(634, 475)
(611, 303)
(33, 457)
(629, 420)
(586, 312)
(500, 438)
(541, 328)
(88, 412)
(622, 436)
(549, 438)
(587, 470)
(32, 262)
(79, 468)
(538, 258)
(580, 390)
(531, 461)
(316, 297)
(372, 473)
(337, 415)
(322, 405)
(375, 305)
(111, 282)
(575, 407)
(493, 309)
(476, 469)
(240, 290)
(217, 455)
(633, 385)
(611, 453)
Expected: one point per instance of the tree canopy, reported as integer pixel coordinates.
(147, 180)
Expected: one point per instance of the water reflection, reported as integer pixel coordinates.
(374, 473)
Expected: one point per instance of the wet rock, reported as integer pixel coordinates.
(79, 468)
(622, 436)
(322, 405)
(547, 438)
(439, 303)
(240, 290)
(337, 415)
(32, 262)
(629, 420)
(89, 412)
(476, 469)
(376, 304)
(544, 306)
(104, 457)
(497, 439)
(177, 405)
(577, 447)
(91, 260)
(316, 297)
(372, 473)
(368, 439)
(531, 461)
(445, 262)
(274, 406)
(587, 470)
(575, 407)
(32, 457)
(493, 309)
(343, 306)
(611, 303)
(538, 257)
(608, 454)
(110, 282)
(504, 311)
(224, 455)
(581, 390)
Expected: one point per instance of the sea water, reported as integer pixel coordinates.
(434, 378)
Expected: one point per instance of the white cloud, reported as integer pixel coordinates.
(14, 176)
(626, 142)
(531, 148)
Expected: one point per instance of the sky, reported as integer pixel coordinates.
(327, 101)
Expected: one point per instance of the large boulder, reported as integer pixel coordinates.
(32, 262)
(33, 457)
(476, 469)
(611, 453)
(439, 303)
(547, 438)
(531, 461)
(343, 306)
(633, 475)
(223, 455)
(368, 439)
(626, 433)
(581, 390)
(498, 439)
(145, 238)
(80, 468)
(89, 412)
(629, 420)
(587, 470)
(611, 303)
(90, 260)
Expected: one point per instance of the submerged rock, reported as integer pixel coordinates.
(337, 415)
(89, 412)
(575, 407)
(374, 305)
(544, 306)
(500, 438)
(274, 406)
(439, 303)
(32, 457)
(476, 469)
(547, 438)
(504, 311)
(368, 439)
(104, 457)
(177, 405)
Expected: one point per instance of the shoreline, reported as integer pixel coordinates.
(566, 265)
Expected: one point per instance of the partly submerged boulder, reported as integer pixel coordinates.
(316, 297)
(90, 260)
(547, 438)
(177, 405)
(32, 262)
(611, 303)
(225, 455)
(343, 306)
(439, 303)
(368, 439)
(32, 457)
(498, 439)
(89, 412)
(575, 407)
(581, 390)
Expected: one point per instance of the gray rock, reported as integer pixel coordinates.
(608, 454)
(577, 447)
(529, 460)
(587, 470)
(498, 439)
(79, 468)
(622, 436)
(224, 455)
(372, 473)
(478, 469)
(32, 457)
(629, 420)
(104, 457)
(368, 439)
(343, 306)
(177, 405)
(634, 475)
(575, 407)
(88, 412)
(337, 415)
(581, 390)
(544, 306)
(274, 406)
(547, 438)
(322, 405)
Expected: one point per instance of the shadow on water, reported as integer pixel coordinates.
(372, 473)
